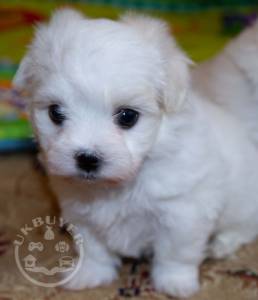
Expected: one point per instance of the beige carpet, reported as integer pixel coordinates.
(24, 195)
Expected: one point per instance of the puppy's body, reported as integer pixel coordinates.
(231, 79)
(185, 172)
(211, 200)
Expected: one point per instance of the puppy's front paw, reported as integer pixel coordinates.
(92, 274)
(177, 280)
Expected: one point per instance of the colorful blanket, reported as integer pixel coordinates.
(201, 28)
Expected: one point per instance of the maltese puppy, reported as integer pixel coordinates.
(139, 159)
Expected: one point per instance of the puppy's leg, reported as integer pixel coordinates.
(227, 242)
(99, 266)
(179, 250)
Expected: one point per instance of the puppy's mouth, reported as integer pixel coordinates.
(92, 178)
(89, 177)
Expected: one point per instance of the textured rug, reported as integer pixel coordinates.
(24, 195)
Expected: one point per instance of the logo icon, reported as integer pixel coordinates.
(48, 252)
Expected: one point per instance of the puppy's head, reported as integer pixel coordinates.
(98, 91)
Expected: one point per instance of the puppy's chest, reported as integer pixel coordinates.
(126, 226)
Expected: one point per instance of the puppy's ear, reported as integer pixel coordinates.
(24, 74)
(175, 62)
(63, 17)
(40, 49)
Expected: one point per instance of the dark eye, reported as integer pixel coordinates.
(127, 118)
(55, 114)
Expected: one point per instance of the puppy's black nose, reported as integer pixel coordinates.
(87, 161)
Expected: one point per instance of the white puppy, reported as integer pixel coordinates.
(137, 158)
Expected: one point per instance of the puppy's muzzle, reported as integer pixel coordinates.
(88, 161)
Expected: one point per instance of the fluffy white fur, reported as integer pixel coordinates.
(183, 181)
